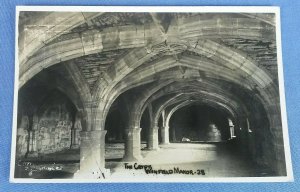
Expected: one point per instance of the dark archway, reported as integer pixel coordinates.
(48, 124)
(199, 123)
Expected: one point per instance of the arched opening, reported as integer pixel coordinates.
(160, 126)
(48, 128)
(199, 123)
(56, 119)
(145, 125)
(114, 125)
(114, 140)
(115, 137)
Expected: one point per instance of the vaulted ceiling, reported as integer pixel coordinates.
(112, 53)
(261, 50)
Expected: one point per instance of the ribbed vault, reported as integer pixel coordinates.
(159, 63)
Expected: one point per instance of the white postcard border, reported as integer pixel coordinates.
(204, 9)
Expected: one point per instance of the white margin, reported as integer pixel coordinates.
(15, 104)
(286, 142)
(203, 9)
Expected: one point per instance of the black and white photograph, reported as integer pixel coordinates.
(149, 94)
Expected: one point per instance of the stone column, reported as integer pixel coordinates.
(33, 138)
(75, 139)
(165, 135)
(92, 155)
(132, 145)
(153, 139)
(75, 134)
(231, 128)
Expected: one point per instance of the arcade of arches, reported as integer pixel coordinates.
(98, 89)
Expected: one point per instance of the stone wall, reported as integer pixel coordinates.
(22, 137)
(54, 132)
(46, 127)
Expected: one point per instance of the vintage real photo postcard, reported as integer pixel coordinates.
(149, 94)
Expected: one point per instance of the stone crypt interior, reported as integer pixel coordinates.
(167, 89)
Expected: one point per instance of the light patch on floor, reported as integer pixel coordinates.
(188, 160)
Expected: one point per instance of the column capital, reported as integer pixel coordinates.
(94, 134)
(166, 127)
(92, 104)
(133, 130)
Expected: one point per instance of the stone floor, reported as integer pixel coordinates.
(172, 160)
(195, 160)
